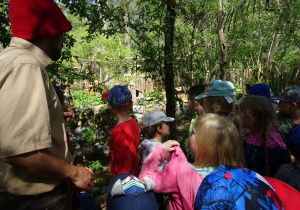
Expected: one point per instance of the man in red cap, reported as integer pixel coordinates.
(35, 161)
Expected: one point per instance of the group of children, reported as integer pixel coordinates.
(226, 137)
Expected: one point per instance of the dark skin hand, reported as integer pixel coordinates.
(69, 114)
(34, 164)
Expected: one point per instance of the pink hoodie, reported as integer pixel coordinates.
(178, 178)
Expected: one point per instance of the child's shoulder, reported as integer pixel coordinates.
(150, 142)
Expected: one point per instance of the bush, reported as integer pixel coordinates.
(82, 98)
(89, 135)
(157, 96)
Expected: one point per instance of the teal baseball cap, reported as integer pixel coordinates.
(218, 88)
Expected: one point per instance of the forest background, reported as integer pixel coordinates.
(178, 42)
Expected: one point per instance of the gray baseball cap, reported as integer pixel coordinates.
(154, 117)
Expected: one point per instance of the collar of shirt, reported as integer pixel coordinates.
(39, 54)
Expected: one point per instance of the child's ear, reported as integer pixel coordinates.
(109, 106)
(195, 101)
(293, 105)
(159, 128)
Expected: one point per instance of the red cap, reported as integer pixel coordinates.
(33, 19)
(105, 95)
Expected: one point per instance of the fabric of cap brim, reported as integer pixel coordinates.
(168, 119)
(273, 101)
(202, 95)
(125, 106)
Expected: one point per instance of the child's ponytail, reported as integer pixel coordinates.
(264, 125)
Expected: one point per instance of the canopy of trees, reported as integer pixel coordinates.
(195, 40)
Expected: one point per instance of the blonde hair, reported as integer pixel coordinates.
(218, 142)
(219, 105)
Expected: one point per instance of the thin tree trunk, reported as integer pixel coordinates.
(168, 64)
(222, 42)
(273, 49)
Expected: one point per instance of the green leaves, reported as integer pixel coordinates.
(89, 135)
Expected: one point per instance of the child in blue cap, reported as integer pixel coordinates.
(289, 110)
(125, 136)
(231, 187)
(125, 191)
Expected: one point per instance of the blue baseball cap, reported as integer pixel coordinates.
(293, 140)
(262, 90)
(118, 95)
(218, 88)
(127, 192)
(230, 187)
(290, 94)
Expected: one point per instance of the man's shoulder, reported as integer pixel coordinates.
(13, 56)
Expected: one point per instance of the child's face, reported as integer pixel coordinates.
(191, 104)
(284, 107)
(244, 119)
(193, 142)
(165, 129)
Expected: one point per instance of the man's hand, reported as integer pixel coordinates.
(83, 178)
(69, 114)
(43, 164)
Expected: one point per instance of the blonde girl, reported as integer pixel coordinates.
(214, 141)
(264, 148)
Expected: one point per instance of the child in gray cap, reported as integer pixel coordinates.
(155, 126)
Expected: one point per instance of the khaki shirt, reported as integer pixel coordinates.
(31, 117)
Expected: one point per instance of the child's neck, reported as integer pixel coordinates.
(254, 130)
(157, 138)
(121, 117)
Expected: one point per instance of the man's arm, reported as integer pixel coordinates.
(44, 164)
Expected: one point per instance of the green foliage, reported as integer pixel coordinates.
(5, 30)
(96, 165)
(157, 96)
(82, 98)
(89, 135)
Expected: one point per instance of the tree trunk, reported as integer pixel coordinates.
(222, 41)
(273, 48)
(271, 54)
(169, 62)
(127, 38)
